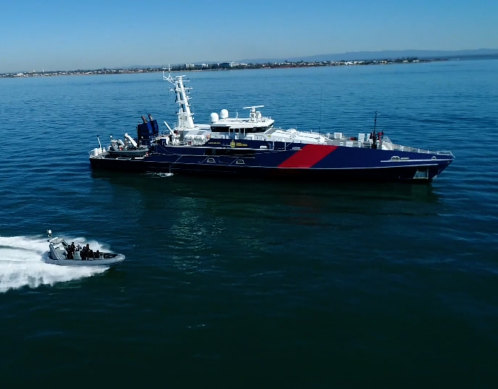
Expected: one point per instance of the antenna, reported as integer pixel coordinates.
(253, 107)
(374, 135)
(168, 77)
(185, 116)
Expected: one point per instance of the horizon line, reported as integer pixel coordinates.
(292, 59)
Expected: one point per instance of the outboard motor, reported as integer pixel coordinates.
(147, 131)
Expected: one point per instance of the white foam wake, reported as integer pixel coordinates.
(21, 264)
(162, 175)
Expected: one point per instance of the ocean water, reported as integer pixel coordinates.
(251, 283)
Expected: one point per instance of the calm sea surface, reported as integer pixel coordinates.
(247, 283)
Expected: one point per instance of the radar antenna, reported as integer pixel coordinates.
(185, 116)
(253, 107)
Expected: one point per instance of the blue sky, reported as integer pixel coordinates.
(63, 35)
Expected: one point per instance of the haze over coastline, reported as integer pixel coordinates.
(55, 35)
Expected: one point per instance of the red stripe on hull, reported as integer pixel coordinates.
(308, 156)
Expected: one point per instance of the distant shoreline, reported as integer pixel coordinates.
(217, 66)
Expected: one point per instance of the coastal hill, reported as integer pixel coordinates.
(387, 54)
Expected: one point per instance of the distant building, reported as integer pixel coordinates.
(227, 65)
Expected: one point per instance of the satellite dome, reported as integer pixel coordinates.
(224, 113)
(214, 117)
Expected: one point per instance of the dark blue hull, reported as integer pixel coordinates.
(297, 161)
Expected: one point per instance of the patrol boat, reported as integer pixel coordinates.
(63, 254)
(252, 146)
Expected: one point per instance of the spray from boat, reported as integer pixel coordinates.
(22, 264)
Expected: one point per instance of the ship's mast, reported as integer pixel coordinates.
(185, 116)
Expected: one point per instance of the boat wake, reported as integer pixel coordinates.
(162, 175)
(21, 264)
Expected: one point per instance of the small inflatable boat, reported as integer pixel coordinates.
(63, 254)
